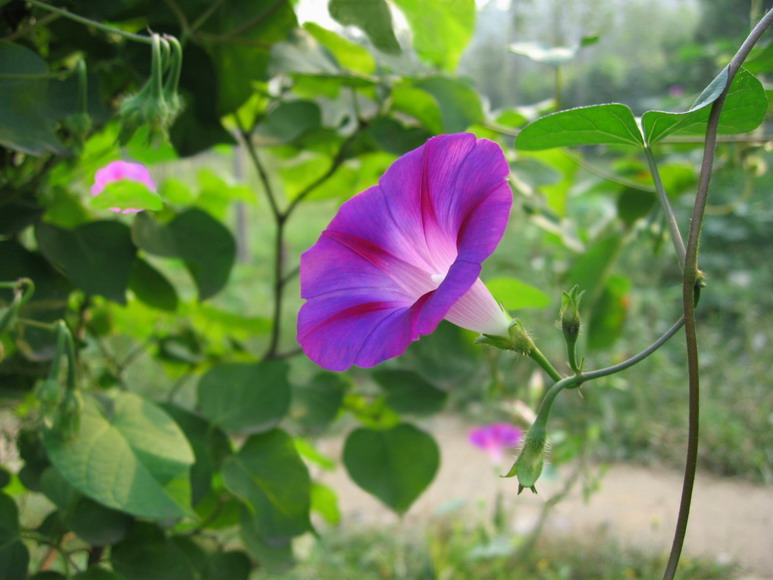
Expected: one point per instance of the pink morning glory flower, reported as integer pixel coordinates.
(495, 438)
(117, 171)
(405, 254)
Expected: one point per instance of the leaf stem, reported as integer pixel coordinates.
(691, 277)
(89, 22)
(673, 226)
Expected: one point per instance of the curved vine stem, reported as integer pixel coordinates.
(690, 282)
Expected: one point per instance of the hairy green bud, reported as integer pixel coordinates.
(528, 466)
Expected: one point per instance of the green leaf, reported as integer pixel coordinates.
(269, 475)
(371, 16)
(591, 270)
(442, 29)
(420, 105)
(743, 110)
(609, 313)
(25, 122)
(210, 447)
(324, 501)
(459, 103)
(395, 465)
(349, 55)
(126, 194)
(245, 398)
(318, 401)
(97, 257)
(394, 137)
(289, 122)
(408, 393)
(634, 204)
(206, 246)
(611, 124)
(127, 454)
(146, 553)
(447, 357)
(515, 294)
(232, 565)
(150, 286)
(14, 556)
(275, 557)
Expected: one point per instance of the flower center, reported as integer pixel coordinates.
(437, 279)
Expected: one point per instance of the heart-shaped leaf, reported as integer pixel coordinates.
(395, 465)
(127, 454)
(610, 124)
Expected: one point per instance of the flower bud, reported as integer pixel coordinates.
(570, 313)
(528, 466)
(67, 417)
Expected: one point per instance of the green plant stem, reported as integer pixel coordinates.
(691, 276)
(673, 226)
(93, 23)
(536, 355)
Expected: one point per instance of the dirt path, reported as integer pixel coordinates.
(729, 521)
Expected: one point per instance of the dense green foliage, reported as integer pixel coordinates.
(160, 420)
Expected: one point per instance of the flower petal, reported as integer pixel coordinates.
(371, 280)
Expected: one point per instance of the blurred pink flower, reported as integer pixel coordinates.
(495, 438)
(120, 170)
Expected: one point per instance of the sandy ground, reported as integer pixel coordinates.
(729, 520)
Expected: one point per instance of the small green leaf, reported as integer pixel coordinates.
(231, 565)
(371, 16)
(276, 556)
(590, 271)
(127, 454)
(634, 204)
(743, 110)
(408, 393)
(395, 465)
(609, 313)
(515, 294)
(611, 124)
(245, 398)
(420, 105)
(269, 475)
(97, 573)
(324, 501)
(126, 194)
(441, 29)
(97, 257)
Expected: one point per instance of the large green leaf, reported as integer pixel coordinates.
(442, 29)
(210, 447)
(515, 294)
(269, 475)
(371, 16)
(146, 553)
(14, 556)
(743, 110)
(127, 454)
(609, 313)
(206, 246)
(611, 124)
(152, 287)
(97, 257)
(25, 123)
(395, 465)
(288, 122)
(408, 393)
(243, 397)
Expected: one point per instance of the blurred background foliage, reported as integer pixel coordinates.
(183, 318)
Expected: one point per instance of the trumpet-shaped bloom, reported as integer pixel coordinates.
(403, 255)
(495, 438)
(120, 170)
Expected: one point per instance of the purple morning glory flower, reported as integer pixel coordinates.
(495, 438)
(403, 255)
(117, 171)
